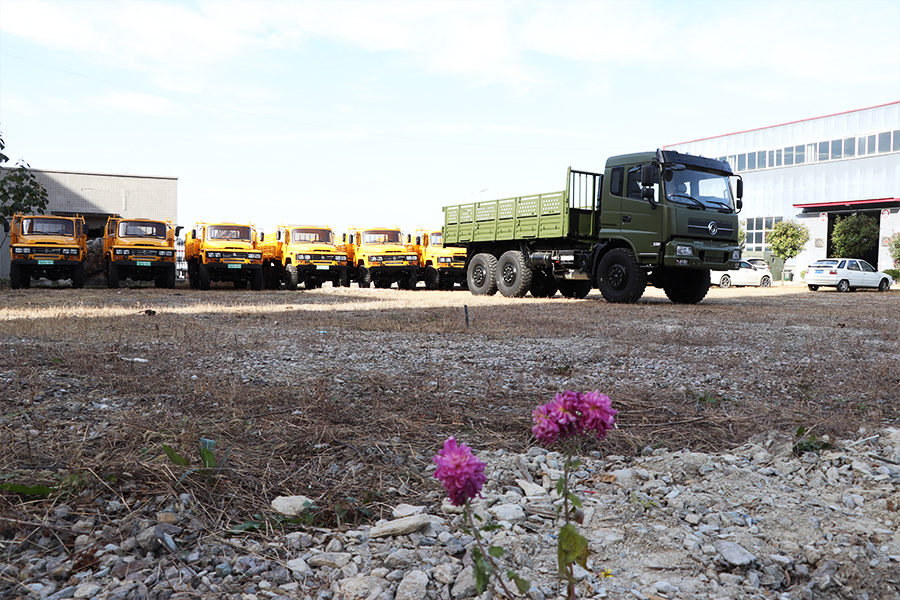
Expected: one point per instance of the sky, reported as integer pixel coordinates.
(369, 114)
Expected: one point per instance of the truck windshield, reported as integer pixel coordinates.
(702, 189)
(228, 232)
(324, 236)
(380, 236)
(142, 229)
(437, 239)
(48, 227)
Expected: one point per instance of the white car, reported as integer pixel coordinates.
(745, 274)
(846, 274)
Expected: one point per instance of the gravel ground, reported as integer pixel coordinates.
(343, 395)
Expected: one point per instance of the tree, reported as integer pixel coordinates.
(787, 239)
(854, 235)
(20, 191)
(894, 248)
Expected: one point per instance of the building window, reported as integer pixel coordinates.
(751, 161)
(758, 230)
(884, 142)
(849, 147)
(823, 151)
(761, 159)
(789, 156)
(897, 141)
(777, 157)
(836, 147)
(861, 146)
(742, 162)
(799, 156)
(871, 145)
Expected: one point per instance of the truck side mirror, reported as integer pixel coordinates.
(178, 229)
(409, 238)
(740, 188)
(646, 175)
(278, 236)
(418, 240)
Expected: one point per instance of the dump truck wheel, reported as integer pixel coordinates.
(575, 289)
(78, 276)
(17, 274)
(481, 275)
(256, 280)
(543, 285)
(688, 287)
(290, 277)
(364, 277)
(619, 278)
(112, 276)
(513, 276)
(344, 278)
(204, 277)
(432, 278)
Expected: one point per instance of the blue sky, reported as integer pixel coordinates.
(380, 113)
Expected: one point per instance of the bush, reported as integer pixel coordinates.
(894, 248)
(853, 236)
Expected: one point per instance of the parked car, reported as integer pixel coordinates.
(745, 274)
(846, 274)
(758, 262)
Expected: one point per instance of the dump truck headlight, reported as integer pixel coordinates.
(684, 251)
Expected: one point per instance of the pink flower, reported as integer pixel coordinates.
(572, 413)
(459, 471)
(597, 413)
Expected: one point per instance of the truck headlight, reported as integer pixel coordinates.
(374, 259)
(684, 251)
(736, 254)
(254, 255)
(122, 251)
(341, 258)
(20, 251)
(412, 257)
(213, 255)
(444, 259)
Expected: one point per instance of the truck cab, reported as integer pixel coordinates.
(140, 250)
(223, 252)
(439, 267)
(378, 256)
(306, 254)
(53, 247)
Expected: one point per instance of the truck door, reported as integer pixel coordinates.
(641, 219)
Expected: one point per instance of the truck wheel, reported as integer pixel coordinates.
(408, 281)
(112, 276)
(240, 284)
(193, 277)
(543, 284)
(575, 289)
(481, 276)
(688, 287)
(619, 278)
(78, 276)
(256, 280)
(344, 278)
(513, 276)
(364, 277)
(18, 274)
(290, 277)
(204, 277)
(432, 278)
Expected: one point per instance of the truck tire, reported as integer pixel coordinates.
(256, 280)
(240, 284)
(204, 277)
(112, 276)
(513, 275)
(78, 276)
(363, 277)
(543, 284)
(688, 286)
(290, 277)
(575, 289)
(408, 281)
(344, 278)
(170, 278)
(432, 278)
(619, 278)
(18, 276)
(481, 276)
(193, 276)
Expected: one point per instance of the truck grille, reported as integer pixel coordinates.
(710, 227)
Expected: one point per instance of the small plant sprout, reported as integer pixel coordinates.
(462, 475)
(569, 415)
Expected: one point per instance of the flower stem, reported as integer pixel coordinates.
(476, 532)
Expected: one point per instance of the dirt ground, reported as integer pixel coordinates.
(345, 394)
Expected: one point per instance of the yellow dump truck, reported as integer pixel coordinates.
(439, 267)
(378, 255)
(140, 250)
(52, 247)
(223, 252)
(306, 254)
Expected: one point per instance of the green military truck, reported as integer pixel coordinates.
(661, 218)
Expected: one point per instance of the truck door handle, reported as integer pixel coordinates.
(626, 218)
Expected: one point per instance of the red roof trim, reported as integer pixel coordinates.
(847, 203)
(846, 112)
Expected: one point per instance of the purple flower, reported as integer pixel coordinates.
(597, 413)
(572, 413)
(459, 471)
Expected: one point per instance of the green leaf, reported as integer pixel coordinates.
(175, 457)
(575, 464)
(523, 585)
(483, 570)
(575, 500)
(496, 551)
(208, 458)
(560, 485)
(492, 527)
(572, 547)
(27, 490)
(247, 526)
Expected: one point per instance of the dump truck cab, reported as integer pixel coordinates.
(379, 256)
(306, 254)
(53, 247)
(223, 252)
(439, 267)
(140, 250)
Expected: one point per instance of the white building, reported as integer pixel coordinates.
(814, 171)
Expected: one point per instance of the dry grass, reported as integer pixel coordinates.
(344, 395)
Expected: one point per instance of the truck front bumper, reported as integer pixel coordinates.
(702, 254)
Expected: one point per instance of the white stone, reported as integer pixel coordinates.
(291, 505)
(400, 526)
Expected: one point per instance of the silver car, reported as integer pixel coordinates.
(745, 274)
(846, 274)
